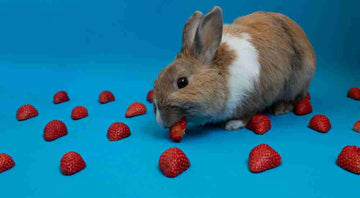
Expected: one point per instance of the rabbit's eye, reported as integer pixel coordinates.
(182, 82)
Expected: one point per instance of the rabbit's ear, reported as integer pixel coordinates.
(189, 30)
(208, 35)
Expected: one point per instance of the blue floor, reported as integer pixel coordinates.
(85, 47)
(128, 168)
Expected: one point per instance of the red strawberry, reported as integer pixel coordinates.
(349, 159)
(259, 124)
(6, 162)
(173, 162)
(303, 107)
(54, 130)
(307, 96)
(320, 123)
(26, 112)
(263, 157)
(135, 109)
(79, 112)
(354, 93)
(177, 131)
(106, 96)
(118, 131)
(357, 126)
(71, 163)
(150, 96)
(60, 97)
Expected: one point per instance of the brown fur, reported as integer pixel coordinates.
(286, 57)
(208, 84)
(287, 63)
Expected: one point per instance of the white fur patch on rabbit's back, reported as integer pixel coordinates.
(244, 71)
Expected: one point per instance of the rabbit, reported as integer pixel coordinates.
(228, 73)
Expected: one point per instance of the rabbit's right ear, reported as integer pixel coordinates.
(190, 29)
(208, 35)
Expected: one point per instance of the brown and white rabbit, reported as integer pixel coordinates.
(228, 73)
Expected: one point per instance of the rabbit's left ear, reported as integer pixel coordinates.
(208, 35)
(189, 30)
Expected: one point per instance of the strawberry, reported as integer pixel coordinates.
(79, 112)
(320, 123)
(354, 93)
(135, 109)
(118, 131)
(150, 96)
(259, 124)
(6, 162)
(357, 126)
(173, 162)
(106, 96)
(60, 97)
(349, 159)
(307, 96)
(263, 157)
(71, 163)
(54, 130)
(303, 107)
(177, 131)
(26, 112)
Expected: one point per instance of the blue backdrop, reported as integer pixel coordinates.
(85, 47)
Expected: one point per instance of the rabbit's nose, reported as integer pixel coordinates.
(160, 121)
(158, 115)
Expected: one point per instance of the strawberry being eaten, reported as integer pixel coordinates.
(177, 131)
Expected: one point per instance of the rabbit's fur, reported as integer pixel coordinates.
(261, 61)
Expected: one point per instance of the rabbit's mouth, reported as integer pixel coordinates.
(167, 116)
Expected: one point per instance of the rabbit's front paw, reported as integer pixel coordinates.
(233, 125)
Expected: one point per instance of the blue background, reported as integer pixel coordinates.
(85, 47)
